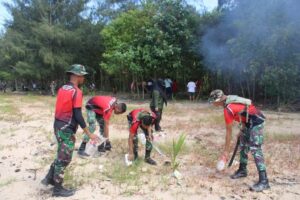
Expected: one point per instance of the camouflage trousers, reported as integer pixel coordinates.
(158, 118)
(148, 146)
(65, 148)
(92, 119)
(251, 140)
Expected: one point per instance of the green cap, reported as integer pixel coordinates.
(77, 69)
(216, 96)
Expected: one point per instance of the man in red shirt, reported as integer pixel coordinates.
(100, 109)
(68, 116)
(140, 118)
(251, 135)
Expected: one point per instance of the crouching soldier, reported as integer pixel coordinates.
(251, 135)
(140, 118)
(100, 109)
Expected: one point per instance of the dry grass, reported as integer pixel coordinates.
(205, 131)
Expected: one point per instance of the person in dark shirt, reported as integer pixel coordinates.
(68, 116)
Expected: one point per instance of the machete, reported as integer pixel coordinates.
(234, 152)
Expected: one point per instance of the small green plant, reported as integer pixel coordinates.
(177, 147)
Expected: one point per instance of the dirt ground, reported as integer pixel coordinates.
(27, 148)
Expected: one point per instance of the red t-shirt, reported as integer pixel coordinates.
(136, 122)
(232, 110)
(68, 97)
(102, 105)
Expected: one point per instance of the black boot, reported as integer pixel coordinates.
(148, 159)
(81, 150)
(263, 183)
(108, 146)
(101, 147)
(49, 177)
(60, 191)
(241, 172)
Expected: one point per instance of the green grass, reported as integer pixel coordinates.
(71, 180)
(7, 182)
(281, 137)
(209, 154)
(119, 173)
(212, 119)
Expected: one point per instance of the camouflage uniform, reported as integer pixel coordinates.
(65, 148)
(157, 102)
(148, 146)
(92, 118)
(251, 140)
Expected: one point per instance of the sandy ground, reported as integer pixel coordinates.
(26, 150)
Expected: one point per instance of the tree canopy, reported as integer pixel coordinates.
(247, 48)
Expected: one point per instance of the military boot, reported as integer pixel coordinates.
(49, 177)
(241, 172)
(60, 191)
(263, 183)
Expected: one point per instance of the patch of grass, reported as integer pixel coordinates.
(212, 119)
(8, 109)
(281, 137)
(119, 173)
(71, 179)
(7, 182)
(30, 98)
(9, 112)
(206, 152)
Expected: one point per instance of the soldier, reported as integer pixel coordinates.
(52, 87)
(251, 135)
(159, 98)
(140, 118)
(100, 109)
(67, 117)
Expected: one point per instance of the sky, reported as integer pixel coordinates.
(209, 4)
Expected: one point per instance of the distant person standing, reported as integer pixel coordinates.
(174, 88)
(52, 87)
(68, 116)
(4, 85)
(198, 88)
(34, 86)
(133, 87)
(150, 86)
(168, 86)
(191, 90)
(159, 98)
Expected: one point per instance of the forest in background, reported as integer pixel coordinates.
(247, 48)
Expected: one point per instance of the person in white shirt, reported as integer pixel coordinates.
(191, 90)
(168, 84)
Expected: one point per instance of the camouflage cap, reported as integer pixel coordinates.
(77, 69)
(216, 96)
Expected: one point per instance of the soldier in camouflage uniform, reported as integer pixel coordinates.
(158, 100)
(100, 109)
(68, 116)
(140, 118)
(251, 136)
